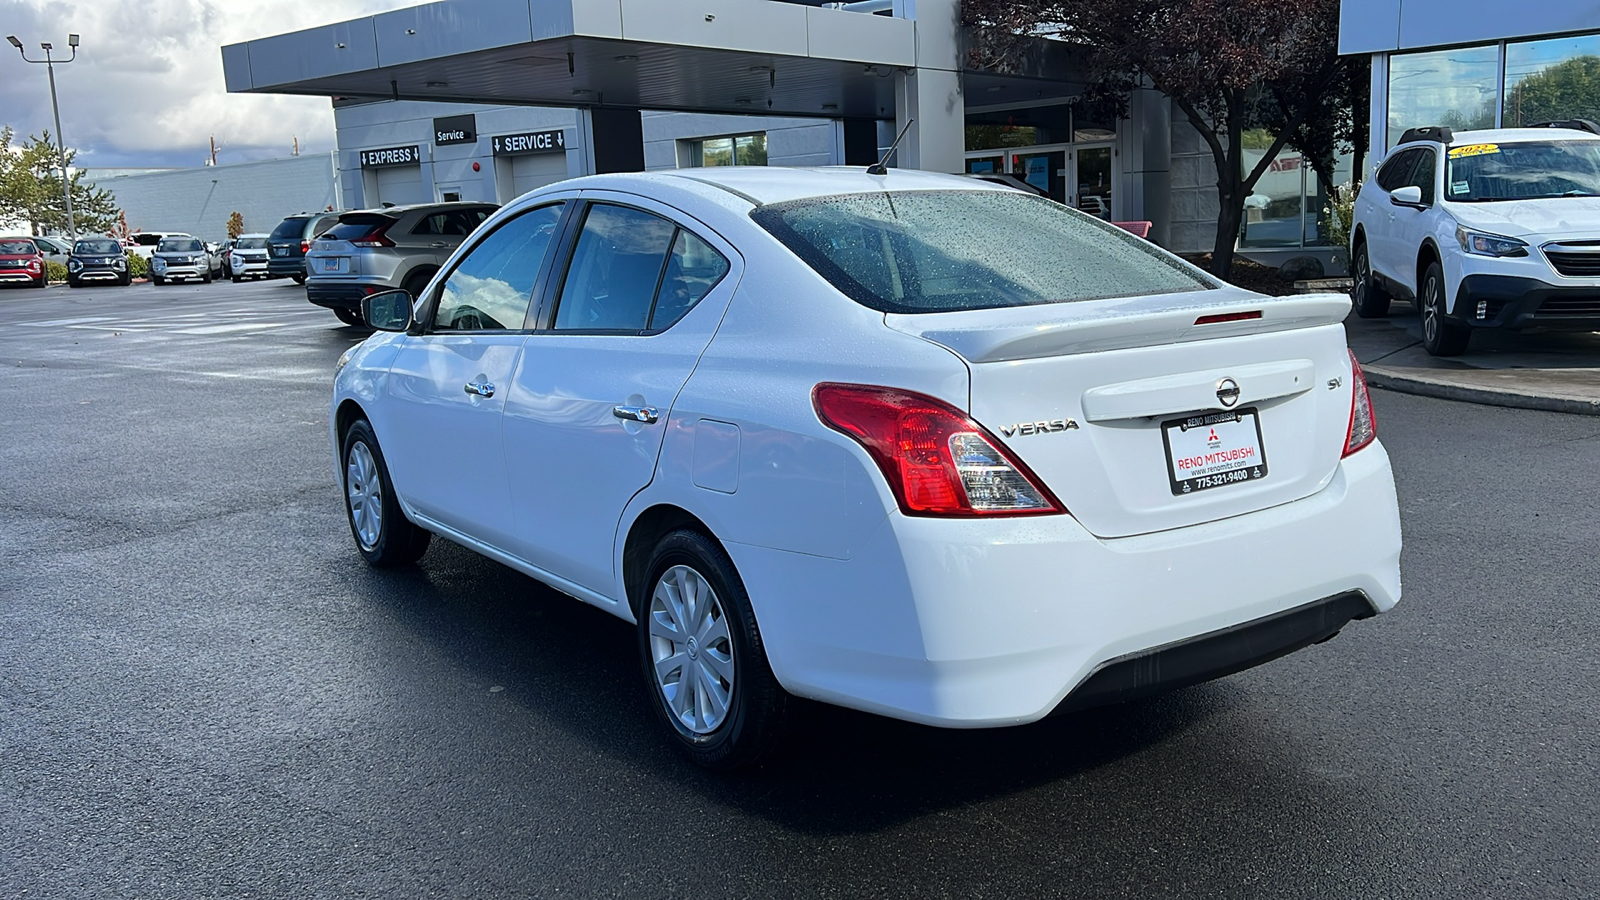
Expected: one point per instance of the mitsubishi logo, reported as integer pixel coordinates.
(1227, 392)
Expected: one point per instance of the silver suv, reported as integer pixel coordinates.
(374, 250)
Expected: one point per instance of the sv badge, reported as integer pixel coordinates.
(1050, 427)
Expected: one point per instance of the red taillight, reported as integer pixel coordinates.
(1228, 317)
(377, 238)
(1363, 428)
(305, 246)
(937, 461)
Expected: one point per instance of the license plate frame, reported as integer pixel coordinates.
(1239, 458)
(333, 265)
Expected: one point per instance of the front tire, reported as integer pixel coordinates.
(1440, 336)
(384, 536)
(237, 278)
(702, 657)
(1370, 300)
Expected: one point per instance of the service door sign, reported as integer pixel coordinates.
(455, 130)
(530, 142)
(391, 156)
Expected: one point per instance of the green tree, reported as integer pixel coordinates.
(1228, 66)
(235, 224)
(30, 189)
(1567, 90)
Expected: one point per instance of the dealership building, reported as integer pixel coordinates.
(488, 99)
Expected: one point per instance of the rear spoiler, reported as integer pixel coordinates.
(1091, 326)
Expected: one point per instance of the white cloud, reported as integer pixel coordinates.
(147, 86)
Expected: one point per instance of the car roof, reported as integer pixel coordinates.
(1511, 136)
(760, 185)
(251, 235)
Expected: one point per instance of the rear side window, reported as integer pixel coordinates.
(943, 251)
(289, 229)
(451, 223)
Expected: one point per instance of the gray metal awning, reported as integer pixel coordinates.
(710, 56)
(732, 56)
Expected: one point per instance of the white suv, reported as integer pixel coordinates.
(1483, 229)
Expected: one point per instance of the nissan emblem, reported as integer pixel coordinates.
(1227, 392)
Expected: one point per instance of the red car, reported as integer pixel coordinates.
(21, 261)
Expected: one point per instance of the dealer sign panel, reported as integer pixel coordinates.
(455, 130)
(391, 156)
(530, 142)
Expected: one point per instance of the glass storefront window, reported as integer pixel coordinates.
(1458, 88)
(739, 150)
(1286, 207)
(1551, 80)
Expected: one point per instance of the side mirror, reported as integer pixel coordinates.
(1410, 195)
(388, 311)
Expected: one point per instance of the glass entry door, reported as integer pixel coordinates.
(1092, 180)
(1044, 169)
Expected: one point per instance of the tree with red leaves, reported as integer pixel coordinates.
(1229, 65)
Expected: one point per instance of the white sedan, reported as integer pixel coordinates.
(908, 443)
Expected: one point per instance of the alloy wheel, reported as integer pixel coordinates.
(691, 649)
(364, 492)
(1431, 302)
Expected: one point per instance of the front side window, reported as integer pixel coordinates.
(615, 269)
(943, 251)
(1422, 175)
(1397, 170)
(491, 288)
(1522, 171)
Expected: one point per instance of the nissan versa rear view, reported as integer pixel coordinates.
(909, 443)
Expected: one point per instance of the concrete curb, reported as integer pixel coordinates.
(1394, 380)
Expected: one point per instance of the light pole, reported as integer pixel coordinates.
(61, 142)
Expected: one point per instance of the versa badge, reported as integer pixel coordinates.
(1027, 428)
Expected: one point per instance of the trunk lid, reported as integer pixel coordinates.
(1083, 393)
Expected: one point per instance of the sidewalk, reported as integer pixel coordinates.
(1557, 372)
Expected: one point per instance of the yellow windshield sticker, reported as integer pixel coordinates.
(1473, 150)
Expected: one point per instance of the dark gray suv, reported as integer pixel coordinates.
(288, 243)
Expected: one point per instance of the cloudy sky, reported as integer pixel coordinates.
(146, 89)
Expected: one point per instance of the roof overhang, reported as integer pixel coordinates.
(733, 56)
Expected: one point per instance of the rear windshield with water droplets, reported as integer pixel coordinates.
(943, 251)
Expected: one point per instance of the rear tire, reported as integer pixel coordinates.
(1440, 336)
(1370, 300)
(416, 283)
(349, 317)
(384, 536)
(704, 664)
(206, 278)
(298, 279)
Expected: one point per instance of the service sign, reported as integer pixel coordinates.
(391, 156)
(530, 142)
(455, 130)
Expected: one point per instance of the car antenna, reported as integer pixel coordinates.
(881, 167)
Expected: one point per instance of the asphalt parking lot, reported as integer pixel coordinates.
(205, 692)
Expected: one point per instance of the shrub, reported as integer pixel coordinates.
(138, 266)
(1340, 211)
(55, 271)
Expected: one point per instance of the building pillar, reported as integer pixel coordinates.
(930, 96)
(613, 140)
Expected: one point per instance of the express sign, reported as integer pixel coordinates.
(391, 156)
(530, 142)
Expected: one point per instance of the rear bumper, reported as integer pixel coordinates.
(961, 623)
(1516, 302)
(337, 296)
(295, 265)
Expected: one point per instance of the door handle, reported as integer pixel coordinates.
(437, 244)
(481, 388)
(646, 414)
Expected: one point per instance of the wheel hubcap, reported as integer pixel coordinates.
(691, 649)
(365, 494)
